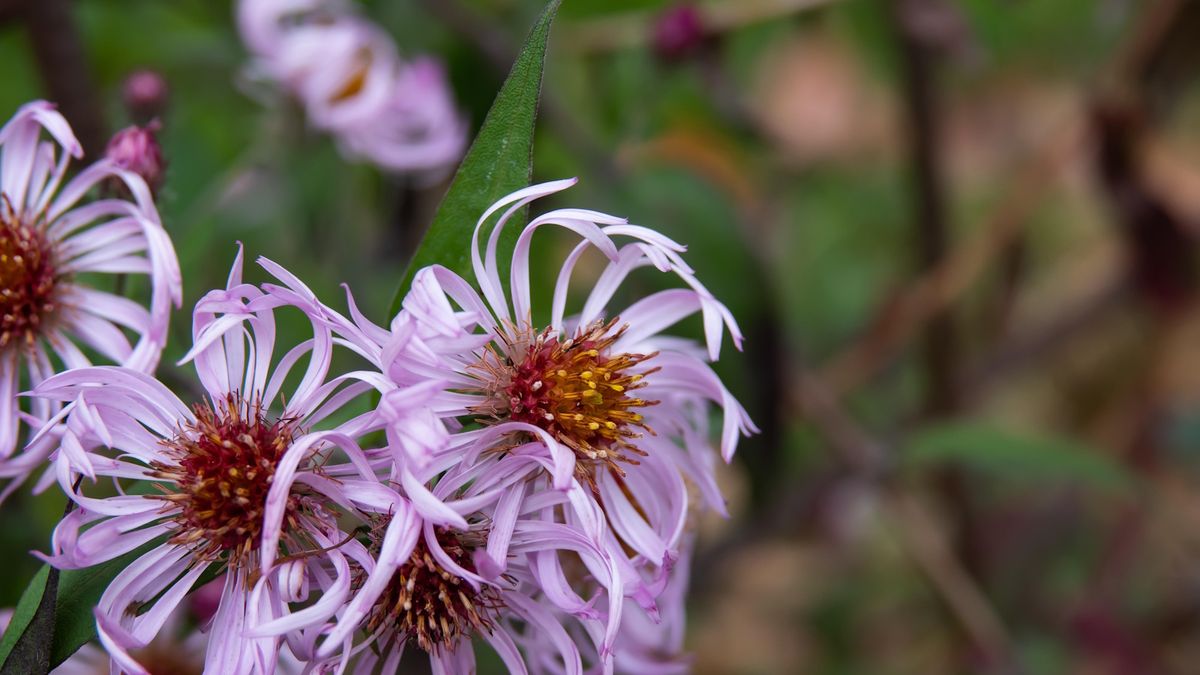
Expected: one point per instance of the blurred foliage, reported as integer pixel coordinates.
(1000, 453)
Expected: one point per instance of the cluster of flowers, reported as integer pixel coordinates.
(348, 75)
(460, 475)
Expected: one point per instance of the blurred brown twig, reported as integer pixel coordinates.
(945, 283)
(908, 516)
(918, 54)
(59, 51)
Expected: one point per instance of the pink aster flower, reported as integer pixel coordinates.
(630, 402)
(603, 466)
(352, 82)
(487, 533)
(50, 237)
(192, 483)
(491, 569)
(654, 645)
(342, 70)
(264, 24)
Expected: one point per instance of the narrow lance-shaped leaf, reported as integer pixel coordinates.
(25, 645)
(71, 621)
(500, 161)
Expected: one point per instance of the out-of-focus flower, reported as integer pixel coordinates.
(136, 149)
(418, 127)
(145, 93)
(50, 236)
(352, 83)
(209, 472)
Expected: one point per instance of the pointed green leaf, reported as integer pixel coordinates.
(70, 623)
(500, 161)
(33, 630)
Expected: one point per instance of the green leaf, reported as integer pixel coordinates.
(500, 161)
(72, 622)
(989, 448)
(22, 619)
(79, 592)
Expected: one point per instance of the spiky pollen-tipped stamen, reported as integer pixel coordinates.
(222, 469)
(28, 280)
(580, 390)
(431, 606)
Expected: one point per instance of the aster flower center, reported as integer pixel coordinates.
(357, 81)
(27, 281)
(223, 466)
(579, 390)
(426, 603)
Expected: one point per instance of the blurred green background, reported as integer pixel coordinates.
(960, 237)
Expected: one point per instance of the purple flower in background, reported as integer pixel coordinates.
(418, 127)
(347, 73)
(190, 485)
(50, 236)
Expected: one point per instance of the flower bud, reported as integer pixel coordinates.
(145, 93)
(136, 149)
(204, 601)
(678, 32)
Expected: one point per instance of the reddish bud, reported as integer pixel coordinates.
(678, 32)
(145, 93)
(136, 149)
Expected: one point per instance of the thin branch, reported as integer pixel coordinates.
(932, 240)
(1032, 345)
(858, 450)
(922, 540)
(940, 287)
(909, 518)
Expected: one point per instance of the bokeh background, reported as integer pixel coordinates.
(959, 234)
